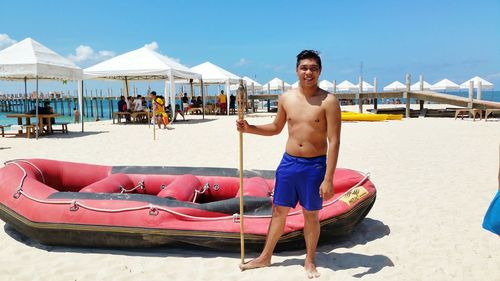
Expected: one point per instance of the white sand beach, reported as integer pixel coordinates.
(435, 178)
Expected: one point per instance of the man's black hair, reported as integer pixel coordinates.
(309, 54)
(153, 93)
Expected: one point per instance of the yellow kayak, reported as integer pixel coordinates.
(353, 116)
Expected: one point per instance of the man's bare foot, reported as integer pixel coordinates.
(255, 263)
(311, 270)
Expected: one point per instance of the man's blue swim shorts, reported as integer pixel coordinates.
(298, 179)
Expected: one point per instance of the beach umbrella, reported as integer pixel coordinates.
(484, 84)
(416, 86)
(445, 85)
(346, 86)
(395, 86)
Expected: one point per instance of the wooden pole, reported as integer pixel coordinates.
(407, 96)
(479, 88)
(358, 96)
(240, 96)
(421, 78)
(471, 93)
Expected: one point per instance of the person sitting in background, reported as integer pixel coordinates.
(129, 102)
(47, 109)
(122, 104)
(123, 107)
(194, 103)
(178, 111)
(138, 104)
(185, 103)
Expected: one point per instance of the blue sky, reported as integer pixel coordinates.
(260, 39)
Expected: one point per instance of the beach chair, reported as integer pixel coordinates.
(30, 130)
(463, 112)
(489, 112)
(64, 128)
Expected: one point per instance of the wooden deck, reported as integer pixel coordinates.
(422, 96)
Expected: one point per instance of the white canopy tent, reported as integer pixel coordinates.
(213, 74)
(296, 84)
(395, 86)
(484, 84)
(367, 87)
(275, 84)
(326, 85)
(250, 83)
(143, 64)
(445, 84)
(29, 59)
(346, 86)
(416, 86)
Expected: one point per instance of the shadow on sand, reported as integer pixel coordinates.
(368, 230)
(73, 134)
(192, 121)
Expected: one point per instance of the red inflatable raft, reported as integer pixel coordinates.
(65, 203)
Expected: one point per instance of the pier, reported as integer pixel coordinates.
(95, 105)
(421, 96)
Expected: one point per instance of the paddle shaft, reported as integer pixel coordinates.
(241, 116)
(242, 228)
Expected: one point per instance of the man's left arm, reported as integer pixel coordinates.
(333, 123)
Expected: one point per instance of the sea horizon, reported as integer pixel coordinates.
(102, 109)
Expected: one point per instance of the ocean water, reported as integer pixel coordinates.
(103, 108)
(100, 109)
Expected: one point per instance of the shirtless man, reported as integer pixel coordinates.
(306, 171)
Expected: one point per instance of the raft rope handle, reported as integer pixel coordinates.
(139, 185)
(235, 217)
(27, 162)
(196, 191)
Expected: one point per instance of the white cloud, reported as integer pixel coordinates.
(155, 47)
(152, 46)
(175, 59)
(85, 54)
(6, 41)
(241, 62)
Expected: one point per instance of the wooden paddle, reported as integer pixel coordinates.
(240, 98)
